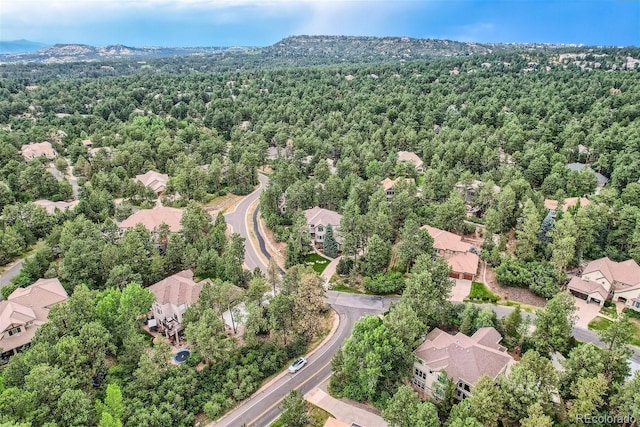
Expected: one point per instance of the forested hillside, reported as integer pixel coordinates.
(511, 120)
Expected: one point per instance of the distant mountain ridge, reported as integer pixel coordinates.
(291, 51)
(81, 52)
(20, 46)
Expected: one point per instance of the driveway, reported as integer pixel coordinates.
(586, 312)
(461, 290)
(343, 411)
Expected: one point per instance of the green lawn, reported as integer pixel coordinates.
(317, 262)
(599, 323)
(347, 289)
(319, 416)
(479, 292)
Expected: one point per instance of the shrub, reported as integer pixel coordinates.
(344, 267)
(631, 312)
(385, 283)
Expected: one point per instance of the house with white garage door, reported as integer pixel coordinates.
(603, 278)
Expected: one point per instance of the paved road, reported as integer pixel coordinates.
(581, 334)
(238, 221)
(264, 407)
(72, 180)
(10, 273)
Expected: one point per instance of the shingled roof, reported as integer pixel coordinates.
(463, 357)
(154, 180)
(177, 289)
(153, 218)
(38, 149)
(626, 272)
(28, 306)
(321, 216)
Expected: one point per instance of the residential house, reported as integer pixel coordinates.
(151, 219)
(275, 153)
(602, 180)
(458, 254)
(24, 311)
(469, 189)
(38, 149)
(552, 205)
(603, 278)
(154, 180)
(389, 186)
(173, 295)
(410, 157)
(87, 143)
(464, 359)
(317, 221)
(51, 207)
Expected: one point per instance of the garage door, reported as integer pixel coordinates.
(468, 276)
(579, 294)
(455, 275)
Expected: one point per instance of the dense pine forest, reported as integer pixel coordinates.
(511, 119)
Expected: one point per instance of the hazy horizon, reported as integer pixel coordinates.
(194, 23)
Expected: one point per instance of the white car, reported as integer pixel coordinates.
(297, 365)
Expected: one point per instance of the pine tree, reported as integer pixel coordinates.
(330, 246)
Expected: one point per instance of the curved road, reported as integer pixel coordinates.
(238, 220)
(263, 407)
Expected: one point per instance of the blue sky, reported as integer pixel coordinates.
(263, 22)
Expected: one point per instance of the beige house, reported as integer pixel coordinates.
(153, 218)
(389, 184)
(463, 262)
(410, 157)
(317, 221)
(174, 295)
(24, 311)
(464, 359)
(51, 207)
(154, 180)
(38, 149)
(603, 278)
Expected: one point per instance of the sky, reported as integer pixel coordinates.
(264, 22)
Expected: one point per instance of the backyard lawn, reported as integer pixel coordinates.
(317, 262)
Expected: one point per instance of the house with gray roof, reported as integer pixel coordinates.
(602, 180)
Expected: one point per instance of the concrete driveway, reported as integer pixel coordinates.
(586, 312)
(461, 290)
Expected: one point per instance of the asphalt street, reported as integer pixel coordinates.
(264, 406)
(238, 220)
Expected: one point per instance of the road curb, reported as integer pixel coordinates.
(334, 328)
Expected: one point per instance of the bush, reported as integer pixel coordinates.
(609, 304)
(631, 312)
(344, 267)
(385, 283)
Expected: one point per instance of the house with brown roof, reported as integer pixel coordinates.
(38, 149)
(458, 254)
(24, 311)
(317, 221)
(464, 359)
(569, 202)
(151, 219)
(154, 180)
(603, 278)
(411, 157)
(173, 295)
(51, 207)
